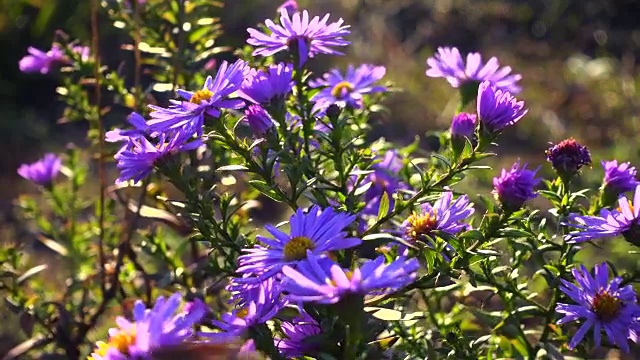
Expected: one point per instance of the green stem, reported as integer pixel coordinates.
(304, 116)
(351, 311)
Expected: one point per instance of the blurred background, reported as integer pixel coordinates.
(578, 60)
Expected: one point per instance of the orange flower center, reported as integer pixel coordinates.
(630, 206)
(121, 341)
(605, 305)
(421, 224)
(242, 313)
(342, 89)
(200, 96)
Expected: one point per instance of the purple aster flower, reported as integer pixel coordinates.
(267, 86)
(138, 157)
(43, 171)
(619, 178)
(319, 279)
(163, 325)
(297, 34)
(290, 6)
(297, 334)
(316, 231)
(140, 128)
(497, 108)
(600, 304)
(515, 186)
(621, 221)
(261, 304)
(259, 120)
(448, 63)
(463, 124)
(347, 90)
(189, 115)
(445, 215)
(42, 62)
(383, 179)
(568, 157)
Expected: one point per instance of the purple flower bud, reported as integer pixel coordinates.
(195, 306)
(515, 186)
(259, 120)
(497, 108)
(43, 171)
(463, 124)
(619, 178)
(568, 157)
(40, 61)
(290, 6)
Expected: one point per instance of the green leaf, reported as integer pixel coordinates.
(265, 189)
(443, 159)
(232, 168)
(384, 206)
(31, 272)
(384, 314)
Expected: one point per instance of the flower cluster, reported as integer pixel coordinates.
(371, 227)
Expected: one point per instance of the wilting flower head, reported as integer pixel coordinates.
(383, 179)
(463, 124)
(140, 128)
(40, 61)
(266, 86)
(497, 108)
(297, 332)
(43, 171)
(297, 34)
(599, 304)
(347, 90)
(448, 63)
(290, 6)
(568, 157)
(163, 325)
(259, 305)
(623, 220)
(445, 215)
(137, 158)
(319, 279)
(619, 178)
(188, 116)
(515, 186)
(316, 231)
(259, 120)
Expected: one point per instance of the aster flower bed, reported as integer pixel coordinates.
(247, 211)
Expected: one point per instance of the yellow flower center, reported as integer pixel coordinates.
(341, 89)
(120, 341)
(605, 305)
(200, 96)
(296, 248)
(421, 224)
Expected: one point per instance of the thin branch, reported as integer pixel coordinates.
(95, 49)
